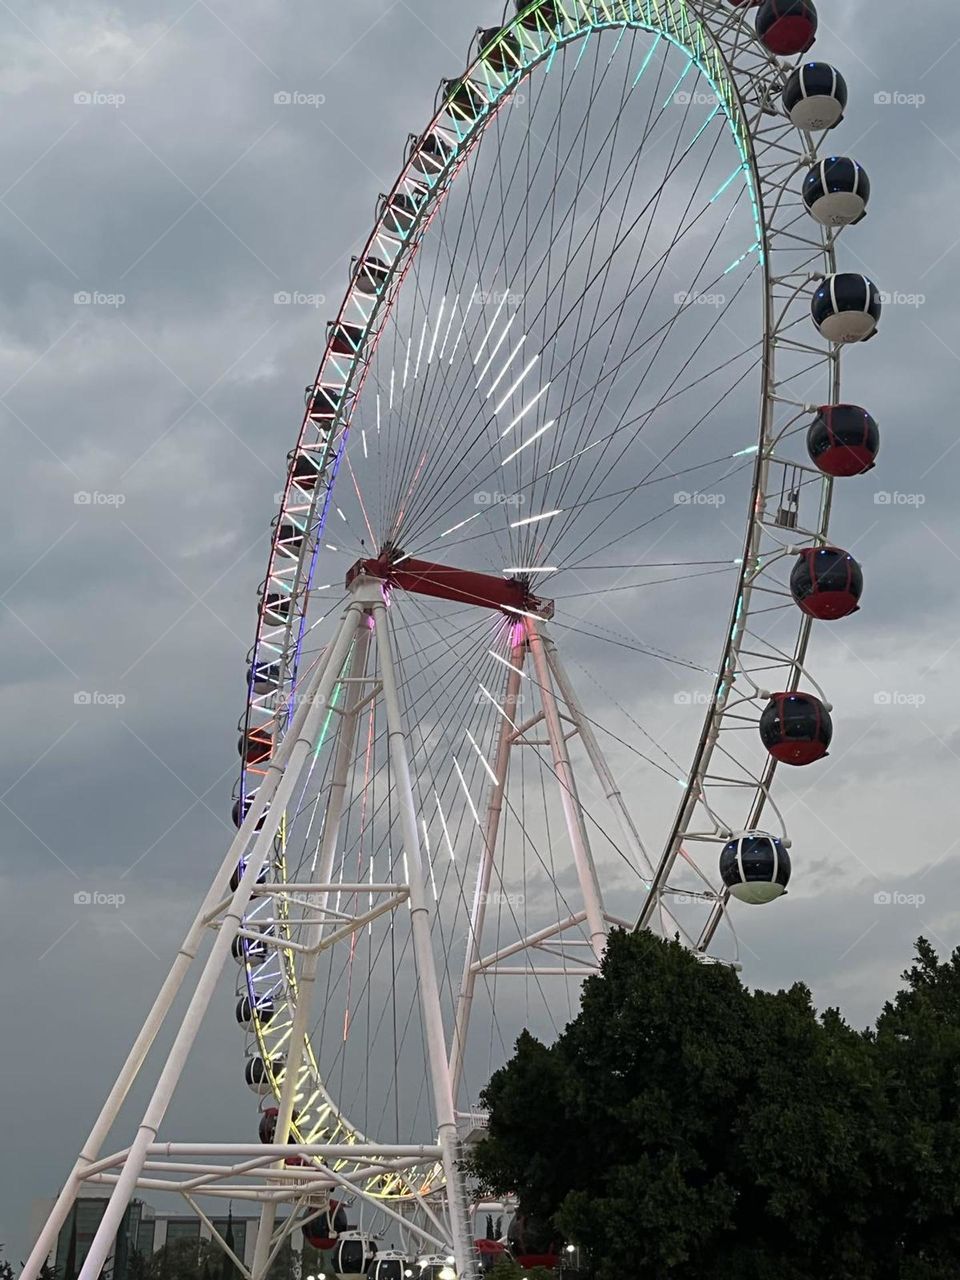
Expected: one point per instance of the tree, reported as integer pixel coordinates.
(70, 1265)
(684, 1128)
(228, 1269)
(510, 1270)
(184, 1260)
(137, 1266)
(314, 1262)
(918, 1046)
(282, 1266)
(47, 1270)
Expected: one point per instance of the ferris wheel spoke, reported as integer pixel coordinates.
(591, 484)
(663, 332)
(731, 471)
(634, 586)
(590, 271)
(656, 334)
(481, 259)
(670, 395)
(628, 168)
(621, 308)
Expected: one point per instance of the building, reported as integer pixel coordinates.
(144, 1231)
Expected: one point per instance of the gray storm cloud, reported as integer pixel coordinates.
(147, 165)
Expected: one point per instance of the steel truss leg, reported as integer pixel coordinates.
(555, 674)
(318, 701)
(594, 751)
(308, 972)
(423, 950)
(89, 1153)
(572, 809)
(491, 828)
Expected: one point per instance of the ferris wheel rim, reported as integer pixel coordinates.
(437, 192)
(435, 195)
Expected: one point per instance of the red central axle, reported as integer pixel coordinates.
(423, 577)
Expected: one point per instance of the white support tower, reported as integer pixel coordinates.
(341, 687)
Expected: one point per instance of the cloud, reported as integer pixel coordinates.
(197, 199)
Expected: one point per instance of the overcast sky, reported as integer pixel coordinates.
(145, 162)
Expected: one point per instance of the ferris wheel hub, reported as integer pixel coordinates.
(445, 582)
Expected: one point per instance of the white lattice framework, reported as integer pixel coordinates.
(288, 927)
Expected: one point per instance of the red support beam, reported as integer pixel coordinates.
(443, 582)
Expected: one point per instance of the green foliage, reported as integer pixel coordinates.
(684, 1128)
(507, 1269)
(282, 1266)
(136, 1266)
(314, 1261)
(184, 1260)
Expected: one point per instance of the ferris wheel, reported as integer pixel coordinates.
(533, 634)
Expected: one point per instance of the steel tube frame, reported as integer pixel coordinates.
(424, 1235)
(318, 704)
(572, 809)
(215, 1235)
(530, 941)
(47, 1238)
(769, 193)
(423, 950)
(314, 934)
(595, 754)
(491, 831)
